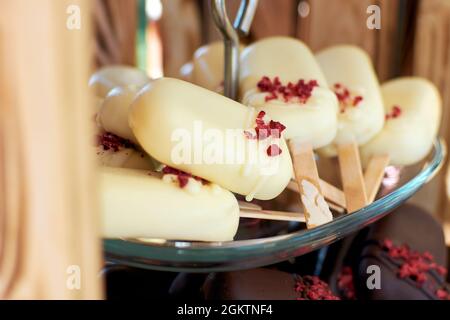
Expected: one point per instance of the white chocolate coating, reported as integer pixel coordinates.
(351, 66)
(291, 60)
(168, 107)
(186, 71)
(113, 115)
(135, 204)
(206, 68)
(107, 78)
(408, 138)
(208, 64)
(124, 158)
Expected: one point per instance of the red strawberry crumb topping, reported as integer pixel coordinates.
(312, 288)
(396, 111)
(345, 98)
(415, 265)
(110, 141)
(275, 89)
(273, 150)
(264, 130)
(183, 177)
(443, 294)
(345, 283)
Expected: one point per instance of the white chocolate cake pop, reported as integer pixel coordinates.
(349, 72)
(413, 114)
(107, 78)
(208, 64)
(281, 77)
(187, 127)
(306, 106)
(135, 204)
(113, 115)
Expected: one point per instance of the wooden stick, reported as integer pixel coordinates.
(272, 215)
(248, 205)
(331, 193)
(352, 176)
(316, 211)
(336, 208)
(374, 175)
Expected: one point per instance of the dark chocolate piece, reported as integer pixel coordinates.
(253, 284)
(265, 284)
(416, 241)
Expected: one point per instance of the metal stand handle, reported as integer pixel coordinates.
(231, 34)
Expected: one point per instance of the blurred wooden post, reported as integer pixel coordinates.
(115, 24)
(180, 32)
(432, 60)
(48, 212)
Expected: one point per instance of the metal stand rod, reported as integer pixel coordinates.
(231, 35)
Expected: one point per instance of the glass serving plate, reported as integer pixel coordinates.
(263, 242)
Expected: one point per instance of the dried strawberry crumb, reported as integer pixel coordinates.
(110, 141)
(357, 100)
(276, 128)
(443, 294)
(264, 130)
(388, 244)
(250, 135)
(441, 270)
(183, 177)
(261, 115)
(395, 112)
(275, 89)
(345, 97)
(273, 150)
(413, 265)
(312, 288)
(428, 256)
